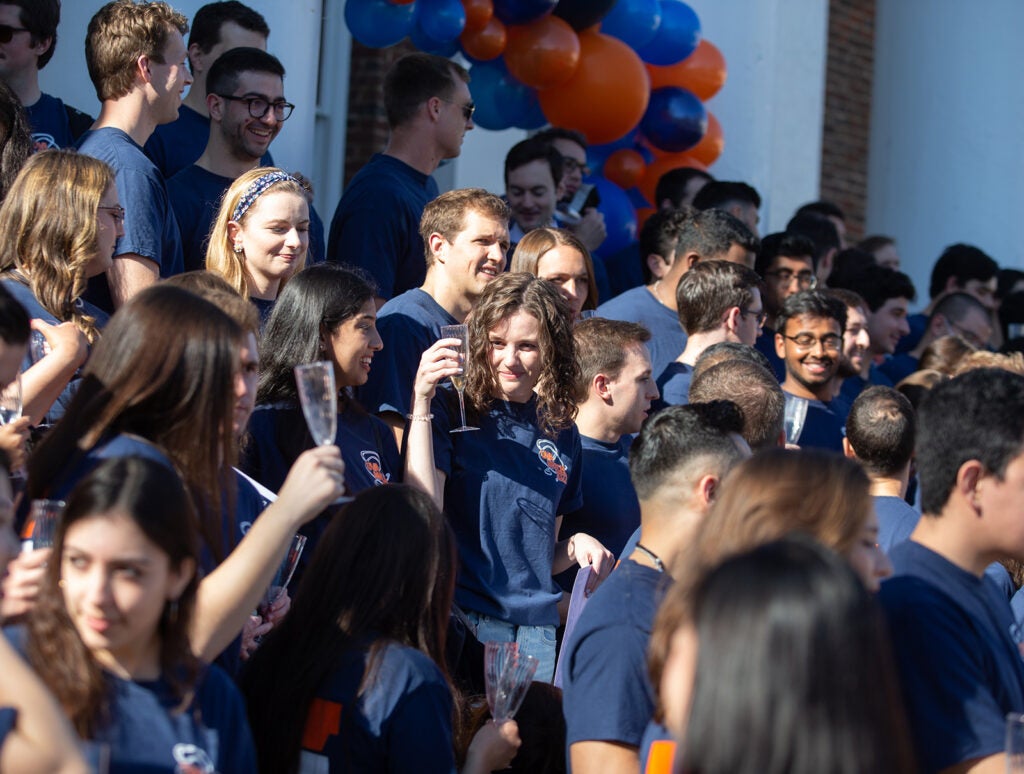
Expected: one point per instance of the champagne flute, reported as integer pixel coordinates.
(10, 402)
(507, 676)
(460, 332)
(796, 413)
(318, 394)
(282, 578)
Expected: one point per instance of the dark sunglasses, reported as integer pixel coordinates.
(7, 32)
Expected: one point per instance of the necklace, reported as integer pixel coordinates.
(658, 564)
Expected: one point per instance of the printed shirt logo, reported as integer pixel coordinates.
(42, 141)
(371, 461)
(554, 466)
(191, 760)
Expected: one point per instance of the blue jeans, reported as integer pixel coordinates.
(536, 641)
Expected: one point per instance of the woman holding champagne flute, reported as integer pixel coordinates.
(505, 486)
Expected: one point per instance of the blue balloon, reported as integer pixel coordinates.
(532, 117)
(677, 35)
(518, 103)
(634, 22)
(440, 20)
(675, 119)
(619, 217)
(486, 88)
(378, 23)
(522, 11)
(424, 42)
(581, 14)
(597, 154)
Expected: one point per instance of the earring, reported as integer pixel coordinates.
(238, 247)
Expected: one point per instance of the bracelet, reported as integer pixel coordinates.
(419, 417)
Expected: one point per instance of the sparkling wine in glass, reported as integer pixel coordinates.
(283, 576)
(460, 332)
(318, 394)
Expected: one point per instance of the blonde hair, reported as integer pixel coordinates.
(537, 243)
(221, 259)
(49, 220)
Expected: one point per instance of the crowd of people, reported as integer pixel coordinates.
(745, 512)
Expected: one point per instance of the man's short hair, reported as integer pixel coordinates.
(877, 284)
(819, 229)
(119, 33)
(976, 416)
(672, 185)
(414, 79)
(208, 21)
(522, 153)
(660, 235)
(719, 194)
(823, 207)
(881, 428)
(963, 262)
(849, 263)
(14, 320)
(728, 350)
(558, 133)
(226, 72)
(754, 390)
(956, 306)
(850, 299)
(678, 436)
(874, 242)
(811, 303)
(710, 289)
(601, 348)
(446, 215)
(40, 18)
(786, 245)
(718, 227)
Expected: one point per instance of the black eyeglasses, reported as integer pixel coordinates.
(258, 106)
(806, 341)
(116, 211)
(7, 32)
(805, 279)
(761, 316)
(571, 165)
(467, 110)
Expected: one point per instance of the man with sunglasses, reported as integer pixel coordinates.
(247, 110)
(216, 28)
(28, 36)
(376, 225)
(588, 223)
(136, 58)
(809, 339)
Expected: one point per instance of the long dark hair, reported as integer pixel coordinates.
(385, 567)
(503, 297)
(164, 370)
(792, 650)
(154, 498)
(310, 308)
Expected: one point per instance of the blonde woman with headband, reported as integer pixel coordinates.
(261, 235)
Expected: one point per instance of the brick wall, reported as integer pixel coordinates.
(844, 155)
(367, 130)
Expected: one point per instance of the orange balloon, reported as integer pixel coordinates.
(624, 168)
(543, 53)
(606, 97)
(486, 43)
(702, 72)
(642, 214)
(711, 145)
(649, 181)
(478, 13)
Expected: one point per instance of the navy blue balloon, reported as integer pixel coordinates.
(675, 119)
(532, 117)
(634, 22)
(581, 14)
(378, 23)
(424, 42)
(677, 36)
(518, 103)
(486, 87)
(440, 20)
(619, 217)
(522, 11)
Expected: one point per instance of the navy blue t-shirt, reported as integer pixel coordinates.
(956, 647)
(822, 427)
(408, 325)
(506, 484)
(51, 128)
(607, 694)
(150, 228)
(377, 224)
(896, 520)
(401, 722)
(668, 340)
(674, 384)
(765, 344)
(625, 270)
(899, 367)
(195, 197)
(918, 325)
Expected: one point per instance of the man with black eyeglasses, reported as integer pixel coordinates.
(247, 110)
(28, 36)
(216, 28)
(376, 225)
(809, 339)
(786, 264)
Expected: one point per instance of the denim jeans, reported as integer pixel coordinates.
(536, 641)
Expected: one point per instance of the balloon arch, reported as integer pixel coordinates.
(631, 75)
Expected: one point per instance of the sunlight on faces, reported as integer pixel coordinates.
(109, 226)
(887, 325)
(249, 138)
(353, 344)
(866, 557)
(231, 35)
(983, 290)
(532, 194)
(514, 356)
(677, 679)
(856, 342)
(811, 368)
(748, 325)
(566, 268)
(116, 583)
(274, 237)
(633, 390)
(454, 124)
(778, 289)
(168, 79)
(476, 255)
(572, 178)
